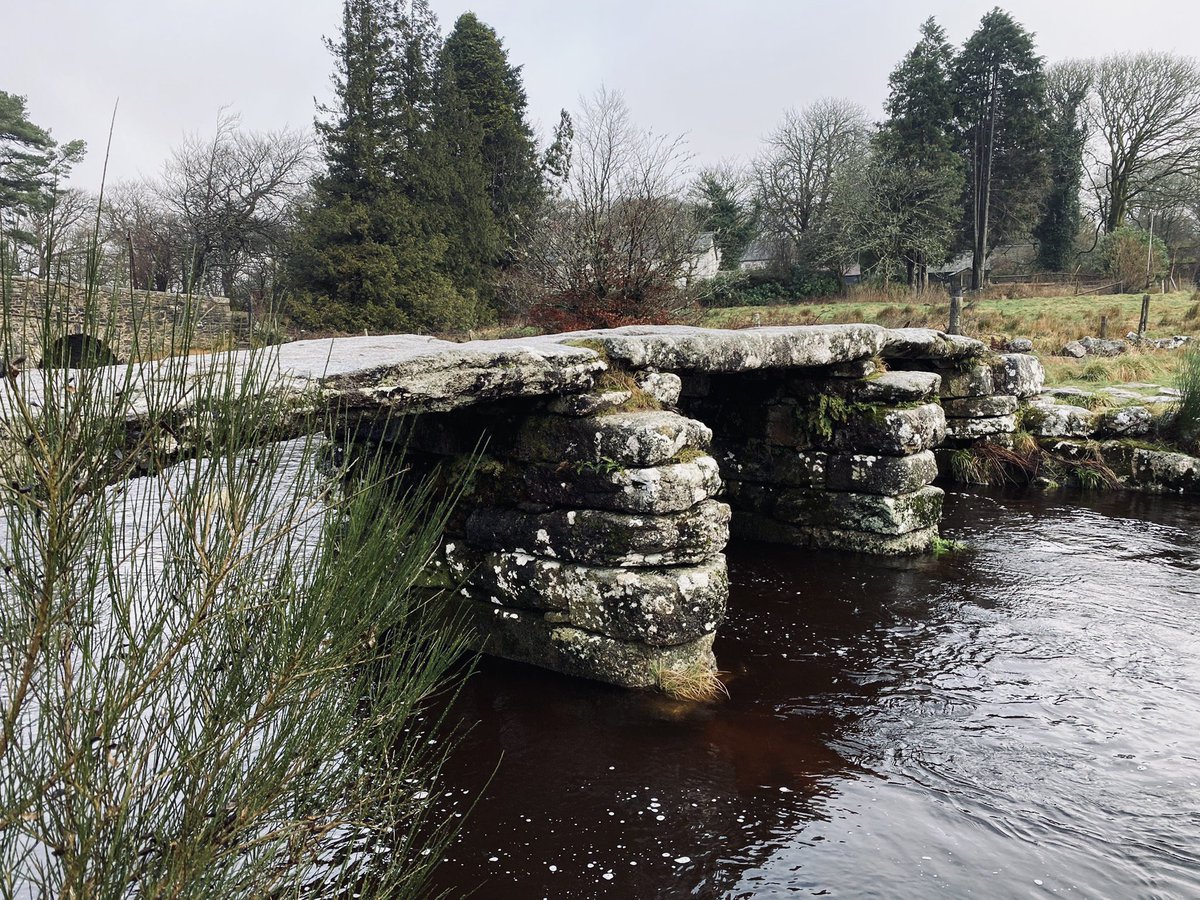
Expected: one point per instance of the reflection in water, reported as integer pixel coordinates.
(1020, 717)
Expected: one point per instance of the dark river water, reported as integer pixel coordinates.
(1018, 719)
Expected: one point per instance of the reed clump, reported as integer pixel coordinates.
(1187, 410)
(1026, 462)
(696, 682)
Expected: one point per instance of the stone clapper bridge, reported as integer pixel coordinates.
(617, 461)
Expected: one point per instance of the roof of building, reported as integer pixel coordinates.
(758, 250)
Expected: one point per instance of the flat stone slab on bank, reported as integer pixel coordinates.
(1050, 420)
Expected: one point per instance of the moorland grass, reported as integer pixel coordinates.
(1050, 322)
(1187, 413)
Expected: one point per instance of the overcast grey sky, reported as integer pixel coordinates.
(721, 72)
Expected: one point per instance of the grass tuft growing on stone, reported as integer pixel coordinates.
(1024, 443)
(698, 682)
(615, 379)
(942, 546)
(967, 467)
(688, 454)
(1187, 411)
(1092, 475)
(592, 344)
(1096, 402)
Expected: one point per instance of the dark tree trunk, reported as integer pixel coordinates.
(984, 147)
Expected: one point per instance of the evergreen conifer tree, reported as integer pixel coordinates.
(32, 164)
(916, 149)
(457, 195)
(371, 251)
(723, 209)
(1067, 87)
(1000, 106)
(490, 89)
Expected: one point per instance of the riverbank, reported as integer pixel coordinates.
(1050, 322)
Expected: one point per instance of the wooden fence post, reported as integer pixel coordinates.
(1103, 327)
(1144, 321)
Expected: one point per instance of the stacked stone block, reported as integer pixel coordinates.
(982, 395)
(592, 544)
(838, 457)
(974, 411)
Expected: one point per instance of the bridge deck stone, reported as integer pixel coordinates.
(414, 373)
(686, 348)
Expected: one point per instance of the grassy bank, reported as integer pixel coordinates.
(1049, 322)
(1152, 367)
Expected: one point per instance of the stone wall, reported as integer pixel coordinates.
(154, 320)
(987, 400)
(1121, 439)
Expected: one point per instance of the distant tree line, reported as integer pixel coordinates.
(424, 202)
(980, 147)
(216, 220)
(1092, 163)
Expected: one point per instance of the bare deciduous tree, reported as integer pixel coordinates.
(618, 243)
(230, 190)
(1146, 110)
(798, 176)
(61, 232)
(145, 235)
